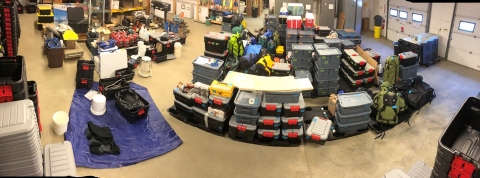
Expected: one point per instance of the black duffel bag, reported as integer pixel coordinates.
(416, 92)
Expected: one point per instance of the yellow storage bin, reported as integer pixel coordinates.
(221, 89)
(45, 18)
(44, 9)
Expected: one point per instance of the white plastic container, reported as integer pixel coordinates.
(60, 120)
(59, 160)
(319, 130)
(98, 107)
(178, 49)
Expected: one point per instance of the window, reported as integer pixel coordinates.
(403, 15)
(394, 12)
(466, 26)
(417, 17)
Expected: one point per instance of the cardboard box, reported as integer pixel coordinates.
(104, 33)
(69, 44)
(370, 61)
(126, 3)
(115, 5)
(332, 104)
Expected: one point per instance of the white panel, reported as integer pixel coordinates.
(464, 42)
(464, 58)
(383, 11)
(476, 31)
(394, 35)
(468, 10)
(440, 22)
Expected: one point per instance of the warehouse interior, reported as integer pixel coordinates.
(203, 154)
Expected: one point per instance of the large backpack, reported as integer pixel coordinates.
(392, 67)
(271, 46)
(235, 45)
(247, 61)
(415, 92)
(237, 19)
(389, 104)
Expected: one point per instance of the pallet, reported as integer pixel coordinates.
(82, 37)
(188, 120)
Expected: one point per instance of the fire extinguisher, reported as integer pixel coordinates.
(383, 24)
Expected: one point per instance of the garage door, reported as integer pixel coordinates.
(405, 19)
(465, 40)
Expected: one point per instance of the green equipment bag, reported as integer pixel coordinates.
(262, 41)
(271, 46)
(389, 104)
(235, 45)
(276, 38)
(392, 67)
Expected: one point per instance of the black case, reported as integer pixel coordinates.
(83, 83)
(131, 115)
(85, 69)
(125, 73)
(110, 93)
(13, 73)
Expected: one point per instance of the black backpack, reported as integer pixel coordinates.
(237, 19)
(416, 92)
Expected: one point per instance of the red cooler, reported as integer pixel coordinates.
(294, 22)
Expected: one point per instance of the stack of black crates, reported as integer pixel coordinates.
(425, 45)
(10, 28)
(408, 65)
(84, 77)
(76, 19)
(355, 70)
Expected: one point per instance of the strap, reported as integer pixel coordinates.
(395, 117)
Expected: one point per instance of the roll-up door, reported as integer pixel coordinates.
(405, 19)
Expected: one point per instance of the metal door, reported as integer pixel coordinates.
(327, 13)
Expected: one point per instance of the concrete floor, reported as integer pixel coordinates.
(206, 155)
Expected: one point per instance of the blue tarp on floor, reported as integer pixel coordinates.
(147, 138)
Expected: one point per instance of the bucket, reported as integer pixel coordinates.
(98, 107)
(208, 22)
(178, 50)
(60, 121)
(377, 31)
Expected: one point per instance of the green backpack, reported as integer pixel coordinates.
(389, 104)
(271, 46)
(235, 45)
(276, 38)
(392, 67)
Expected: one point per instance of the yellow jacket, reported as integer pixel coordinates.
(266, 61)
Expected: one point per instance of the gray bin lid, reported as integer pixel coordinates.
(303, 32)
(216, 36)
(332, 40)
(275, 119)
(14, 120)
(186, 95)
(329, 52)
(300, 104)
(281, 66)
(234, 123)
(203, 61)
(286, 119)
(264, 104)
(318, 46)
(243, 99)
(347, 42)
(59, 160)
(299, 131)
(350, 52)
(302, 47)
(354, 99)
(344, 61)
(303, 74)
(213, 98)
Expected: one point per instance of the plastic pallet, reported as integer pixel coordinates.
(173, 112)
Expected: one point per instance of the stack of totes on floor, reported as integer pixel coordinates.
(84, 77)
(216, 45)
(350, 35)
(273, 116)
(352, 111)
(207, 69)
(10, 28)
(408, 65)
(356, 71)
(325, 69)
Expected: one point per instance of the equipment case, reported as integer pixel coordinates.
(215, 42)
(369, 71)
(243, 105)
(185, 98)
(281, 69)
(292, 134)
(408, 58)
(282, 97)
(305, 74)
(296, 109)
(354, 103)
(208, 67)
(351, 127)
(318, 130)
(222, 56)
(200, 102)
(355, 75)
(243, 132)
(245, 119)
(408, 72)
(204, 79)
(351, 118)
(357, 62)
(302, 51)
(269, 123)
(219, 102)
(354, 84)
(328, 58)
(268, 135)
(183, 109)
(325, 73)
(292, 122)
(221, 89)
(270, 109)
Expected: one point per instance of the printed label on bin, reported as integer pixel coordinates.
(241, 128)
(267, 134)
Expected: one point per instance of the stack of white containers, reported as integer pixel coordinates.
(21, 147)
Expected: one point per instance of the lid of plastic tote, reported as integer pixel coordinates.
(146, 58)
(178, 44)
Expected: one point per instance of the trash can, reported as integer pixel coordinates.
(378, 20)
(55, 57)
(395, 48)
(377, 31)
(254, 12)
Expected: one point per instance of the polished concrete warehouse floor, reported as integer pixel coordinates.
(206, 155)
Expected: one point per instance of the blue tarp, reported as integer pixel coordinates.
(147, 138)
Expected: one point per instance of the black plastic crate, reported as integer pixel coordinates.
(22, 95)
(159, 57)
(110, 86)
(12, 73)
(32, 92)
(83, 83)
(48, 19)
(126, 73)
(356, 75)
(85, 69)
(131, 105)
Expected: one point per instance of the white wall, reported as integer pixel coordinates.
(440, 22)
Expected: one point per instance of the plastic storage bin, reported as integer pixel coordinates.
(291, 122)
(306, 36)
(351, 118)
(327, 91)
(282, 97)
(13, 73)
(270, 109)
(292, 134)
(185, 98)
(110, 86)
(408, 58)
(369, 71)
(357, 62)
(318, 130)
(215, 42)
(222, 56)
(351, 127)
(296, 109)
(354, 103)
(268, 135)
(352, 73)
(269, 122)
(200, 102)
(368, 82)
(219, 102)
(85, 69)
(83, 83)
(318, 46)
(333, 42)
(302, 51)
(226, 27)
(408, 72)
(348, 44)
(245, 119)
(125, 73)
(207, 67)
(281, 69)
(326, 83)
(128, 97)
(183, 109)
(292, 35)
(221, 89)
(204, 79)
(308, 75)
(354, 84)
(240, 131)
(328, 58)
(325, 73)
(248, 102)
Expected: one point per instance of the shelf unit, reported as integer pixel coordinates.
(103, 7)
(200, 6)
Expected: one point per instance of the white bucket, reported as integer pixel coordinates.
(178, 49)
(142, 50)
(98, 107)
(60, 121)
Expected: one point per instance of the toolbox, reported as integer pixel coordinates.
(243, 132)
(269, 122)
(408, 58)
(270, 109)
(85, 69)
(350, 127)
(83, 83)
(245, 118)
(325, 73)
(354, 74)
(215, 42)
(326, 83)
(349, 52)
(296, 109)
(200, 102)
(308, 75)
(328, 58)
(292, 134)
(13, 73)
(280, 50)
(47, 9)
(368, 82)
(357, 62)
(185, 98)
(248, 102)
(219, 102)
(222, 56)
(373, 54)
(351, 118)
(327, 91)
(183, 109)
(110, 86)
(302, 51)
(408, 72)
(282, 97)
(354, 84)
(268, 135)
(281, 69)
(291, 122)
(221, 89)
(208, 67)
(369, 71)
(130, 96)
(348, 44)
(318, 130)
(204, 79)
